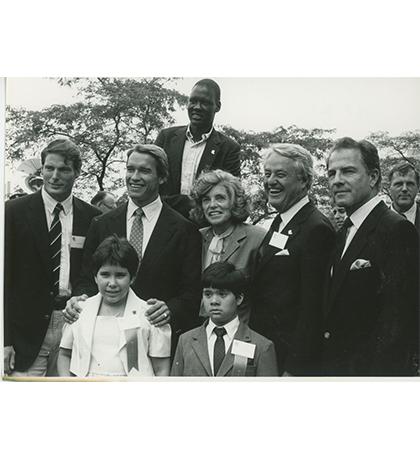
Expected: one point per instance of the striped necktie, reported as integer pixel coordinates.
(55, 245)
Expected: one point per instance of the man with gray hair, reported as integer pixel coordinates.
(371, 304)
(288, 283)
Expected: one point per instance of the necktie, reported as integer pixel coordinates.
(275, 226)
(342, 235)
(219, 348)
(55, 246)
(136, 236)
(402, 214)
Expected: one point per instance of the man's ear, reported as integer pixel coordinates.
(374, 177)
(239, 299)
(218, 106)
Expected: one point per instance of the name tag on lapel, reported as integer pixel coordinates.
(77, 242)
(278, 240)
(129, 322)
(245, 349)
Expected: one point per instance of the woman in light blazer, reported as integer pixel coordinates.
(221, 201)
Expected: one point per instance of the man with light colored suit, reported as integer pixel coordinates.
(197, 147)
(371, 301)
(169, 246)
(288, 282)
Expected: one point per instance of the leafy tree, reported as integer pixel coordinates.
(112, 115)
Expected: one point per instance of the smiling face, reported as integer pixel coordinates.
(350, 183)
(217, 208)
(403, 190)
(113, 284)
(58, 176)
(283, 186)
(221, 305)
(202, 107)
(142, 178)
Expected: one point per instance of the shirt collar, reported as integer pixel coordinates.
(358, 217)
(149, 210)
(230, 327)
(410, 213)
(287, 216)
(203, 138)
(50, 203)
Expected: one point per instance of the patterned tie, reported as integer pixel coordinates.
(136, 236)
(219, 348)
(342, 235)
(55, 245)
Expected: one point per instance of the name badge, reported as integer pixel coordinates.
(245, 349)
(129, 322)
(77, 242)
(278, 240)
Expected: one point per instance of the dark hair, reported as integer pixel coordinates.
(241, 207)
(368, 151)
(223, 275)
(162, 166)
(402, 169)
(99, 197)
(67, 149)
(116, 251)
(211, 84)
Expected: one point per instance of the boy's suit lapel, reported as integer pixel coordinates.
(200, 347)
(243, 335)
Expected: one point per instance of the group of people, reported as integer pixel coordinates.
(175, 282)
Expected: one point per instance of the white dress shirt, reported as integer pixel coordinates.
(231, 329)
(193, 151)
(287, 216)
(151, 213)
(410, 213)
(358, 217)
(66, 220)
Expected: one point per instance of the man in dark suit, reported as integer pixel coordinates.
(371, 303)
(169, 246)
(288, 283)
(404, 184)
(36, 285)
(196, 147)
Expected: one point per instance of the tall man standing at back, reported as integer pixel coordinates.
(196, 147)
(44, 237)
(371, 303)
(404, 184)
(288, 284)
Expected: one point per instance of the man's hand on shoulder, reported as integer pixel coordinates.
(158, 314)
(73, 309)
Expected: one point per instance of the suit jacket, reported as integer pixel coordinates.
(242, 251)
(417, 220)
(149, 337)
(170, 268)
(371, 312)
(28, 281)
(287, 291)
(192, 355)
(221, 152)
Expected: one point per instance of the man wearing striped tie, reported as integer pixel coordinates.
(44, 237)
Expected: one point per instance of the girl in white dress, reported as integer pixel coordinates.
(112, 337)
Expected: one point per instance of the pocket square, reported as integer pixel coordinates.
(283, 252)
(359, 264)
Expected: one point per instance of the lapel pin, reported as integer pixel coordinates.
(290, 232)
(213, 152)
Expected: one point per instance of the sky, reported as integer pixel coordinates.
(355, 107)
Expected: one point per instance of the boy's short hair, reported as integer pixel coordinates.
(116, 251)
(223, 275)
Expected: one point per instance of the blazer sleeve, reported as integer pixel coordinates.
(305, 351)
(397, 335)
(178, 363)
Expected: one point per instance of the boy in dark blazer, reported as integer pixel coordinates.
(201, 352)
